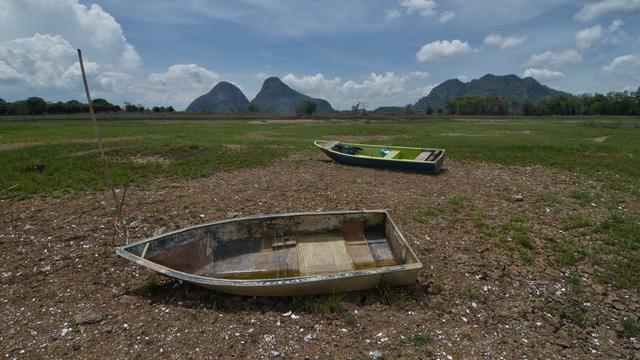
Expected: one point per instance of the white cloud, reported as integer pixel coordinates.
(446, 16)
(424, 8)
(420, 74)
(46, 62)
(588, 37)
(596, 9)
(462, 78)
(36, 61)
(568, 56)
(594, 35)
(421, 7)
(505, 42)
(543, 74)
(90, 28)
(391, 14)
(626, 65)
(374, 89)
(177, 86)
(191, 73)
(442, 50)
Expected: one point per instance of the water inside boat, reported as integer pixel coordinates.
(281, 247)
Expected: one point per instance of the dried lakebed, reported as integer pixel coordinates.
(504, 276)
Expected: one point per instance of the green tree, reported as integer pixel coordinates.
(36, 105)
(306, 107)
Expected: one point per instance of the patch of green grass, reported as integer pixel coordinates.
(584, 197)
(550, 199)
(569, 253)
(15, 217)
(575, 222)
(519, 218)
(526, 257)
(619, 250)
(484, 231)
(192, 146)
(218, 301)
(473, 295)
(523, 240)
(457, 203)
(350, 319)
(417, 340)
(630, 326)
(575, 283)
(437, 287)
(192, 314)
(429, 213)
(576, 314)
(327, 304)
(396, 297)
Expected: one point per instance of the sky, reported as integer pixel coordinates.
(386, 52)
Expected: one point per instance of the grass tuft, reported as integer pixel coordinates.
(417, 340)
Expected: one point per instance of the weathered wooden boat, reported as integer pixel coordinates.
(283, 255)
(387, 157)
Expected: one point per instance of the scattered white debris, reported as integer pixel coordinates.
(376, 355)
(65, 330)
(270, 339)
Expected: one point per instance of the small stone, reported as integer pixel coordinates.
(462, 258)
(518, 198)
(435, 221)
(376, 355)
(87, 317)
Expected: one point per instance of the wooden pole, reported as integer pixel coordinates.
(105, 162)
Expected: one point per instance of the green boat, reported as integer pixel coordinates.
(386, 157)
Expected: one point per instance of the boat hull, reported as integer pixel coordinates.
(309, 281)
(427, 167)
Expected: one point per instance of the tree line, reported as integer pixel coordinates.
(36, 106)
(613, 103)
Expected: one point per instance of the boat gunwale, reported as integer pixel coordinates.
(436, 160)
(214, 281)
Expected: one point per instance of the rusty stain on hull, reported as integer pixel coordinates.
(284, 254)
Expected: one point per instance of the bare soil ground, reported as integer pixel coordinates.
(475, 299)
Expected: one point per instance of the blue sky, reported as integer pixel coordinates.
(389, 52)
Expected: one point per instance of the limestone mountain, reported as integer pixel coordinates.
(223, 98)
(275, 96)
(509, 87)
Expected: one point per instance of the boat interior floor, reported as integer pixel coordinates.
(302, 255)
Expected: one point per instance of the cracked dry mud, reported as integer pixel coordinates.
(474, 299)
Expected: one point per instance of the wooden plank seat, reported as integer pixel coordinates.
(434, 156)
(392, 154)
(423, 156)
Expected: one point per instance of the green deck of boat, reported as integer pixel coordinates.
(373, 151)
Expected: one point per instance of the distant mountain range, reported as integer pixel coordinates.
(223, 98)
(509, 87)
(275, 96)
